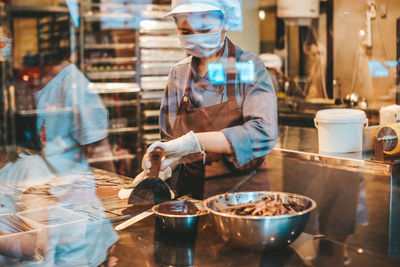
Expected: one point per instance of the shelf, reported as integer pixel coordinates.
(151, 101)
(158, 31)
(111, 75)
(100, 17)
(151, 127)
(47, 111)
(111, 88)
(34, 11)
(123, 130)
(108, 46)
(113, 158)
(111, 60)
(151, 113)
(151, 83)
(152, 137)
(120, 103)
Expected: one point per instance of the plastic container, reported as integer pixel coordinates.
(59, 225)
(19, 243)
(340, 130)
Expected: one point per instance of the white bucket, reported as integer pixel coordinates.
(340, 130)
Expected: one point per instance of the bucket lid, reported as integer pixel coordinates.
(341, 115)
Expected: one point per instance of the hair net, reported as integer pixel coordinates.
(231, 8)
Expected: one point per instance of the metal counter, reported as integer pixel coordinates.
(357, 214)
(375, 183)
(146, 244)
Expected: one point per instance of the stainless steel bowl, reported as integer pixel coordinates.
(179, 224)
(258, 232)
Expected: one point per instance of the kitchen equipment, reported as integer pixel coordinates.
(388, 135)
(19, 239)
(258, 232)
(181, 224)
(351, 99)
(340, 130)
(152, 190)
(140, 217)
(56, 224)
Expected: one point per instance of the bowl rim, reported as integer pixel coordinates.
(155, 210)
(207, 201)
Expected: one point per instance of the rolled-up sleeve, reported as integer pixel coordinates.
(257, 136)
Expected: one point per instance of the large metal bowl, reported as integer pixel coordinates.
(258, 232)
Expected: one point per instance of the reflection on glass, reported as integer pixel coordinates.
(173, 249)
(54, 217)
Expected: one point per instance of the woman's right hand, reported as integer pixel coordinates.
(174, 150)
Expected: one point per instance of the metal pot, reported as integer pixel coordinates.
(179, 224)
(258, 232)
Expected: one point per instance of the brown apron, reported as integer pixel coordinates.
(213, 118)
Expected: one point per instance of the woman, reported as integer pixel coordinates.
(214, 117)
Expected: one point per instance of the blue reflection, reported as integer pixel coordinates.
(246, 71)
(216, 73)
(391, 64)
(74, 11)
(377, 69)
(120, 23)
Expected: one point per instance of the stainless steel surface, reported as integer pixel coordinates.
(180, 224)
(382, 179)
(258, 232)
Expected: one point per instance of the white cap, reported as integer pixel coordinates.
(272, 61)
(230, 8)
(191, 7)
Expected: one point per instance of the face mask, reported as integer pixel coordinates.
(6, 51)
(202, 45)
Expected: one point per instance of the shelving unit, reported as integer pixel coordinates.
(53, 35)
(109, 54)
(159, 52)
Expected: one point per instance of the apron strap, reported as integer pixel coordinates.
(232, 74)
(185, 101)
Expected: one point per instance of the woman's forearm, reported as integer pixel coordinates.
(214, 142)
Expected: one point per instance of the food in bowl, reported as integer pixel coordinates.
(178, 208)
(258, 232)
(179, 216)
(270, 205)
